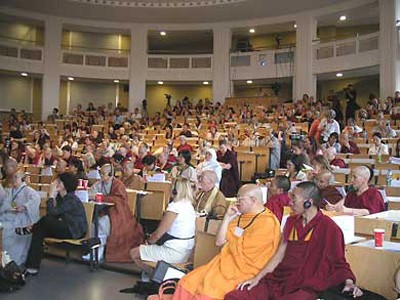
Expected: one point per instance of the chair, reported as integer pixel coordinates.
(70, 244)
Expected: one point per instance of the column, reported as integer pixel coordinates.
(221, 67)
(304, 81)
(138, 67)
(389, 67)
(51, 65)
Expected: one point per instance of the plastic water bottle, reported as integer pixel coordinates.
(389, 176)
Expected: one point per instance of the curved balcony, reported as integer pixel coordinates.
(179, 67)
(20, 55)
(95, 63)
(262, 64)
(353, 53)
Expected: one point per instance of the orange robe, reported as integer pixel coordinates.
(126, 233)
(241, 258)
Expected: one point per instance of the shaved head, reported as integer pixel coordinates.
(363, 172)
(251, 190)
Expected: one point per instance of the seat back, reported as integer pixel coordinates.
(89, 211)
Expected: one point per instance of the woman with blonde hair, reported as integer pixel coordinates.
(173, 240)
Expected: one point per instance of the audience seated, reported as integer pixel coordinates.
(329, 125)
(183, 145)
(173, 240)
(377, 147)
(19, 207)
(209, 199)
(129, 178)
(333, 141)
(310, 258)
(123, 232)
(329, 193)
(347, 146)
(249, 241)
(211, 163)
(295, 165)
(184, 167)
(361, 199)
(65, 219)
(335, 162)
(279, 188)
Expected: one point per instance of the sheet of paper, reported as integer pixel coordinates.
(173, 273)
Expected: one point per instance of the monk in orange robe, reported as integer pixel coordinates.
(126, 233)
(249, 234)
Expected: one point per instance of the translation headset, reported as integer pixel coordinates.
(111, 173)
(307, 204)
(174, 191)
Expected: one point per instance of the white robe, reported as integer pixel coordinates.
(16, 245)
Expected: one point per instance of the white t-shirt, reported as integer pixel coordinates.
(184, 225)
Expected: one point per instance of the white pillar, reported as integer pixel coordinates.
(304, 81)
(138, 67)
(221, 67)
(51, 64)
(389, 67)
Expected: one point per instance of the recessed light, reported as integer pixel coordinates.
(160, 82)
(24, 74)
(342, 18)
(205, 82)
(163, 33)
(116, 81)
(249, 81)
(71, 78)
(339, 74)
(295, 26)
(252, 30)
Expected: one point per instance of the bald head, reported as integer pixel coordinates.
(362, 172)
(253, 191)
(324, 178)
(209, 175)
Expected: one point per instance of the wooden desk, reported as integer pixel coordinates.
(374, 269)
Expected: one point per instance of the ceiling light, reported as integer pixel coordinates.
(342, 18)
(160, 82)
(163, 33)
(249, 81)
(71, 78)
(24, 74)
(205, 82)
(295, 26)
(116, 81)
(252, 30)
(339, 74)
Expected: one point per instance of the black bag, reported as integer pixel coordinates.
(165, 237)
(11, 278)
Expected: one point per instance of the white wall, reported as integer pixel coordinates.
(97, 92)
(15, 92)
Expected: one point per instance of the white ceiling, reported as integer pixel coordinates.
(204, 11)
(363, 72)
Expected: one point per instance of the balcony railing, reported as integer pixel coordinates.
(201, 61)
(354, 45)
(17, 49)
(95, 59)
(262, 58)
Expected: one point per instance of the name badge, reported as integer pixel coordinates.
(239, 231)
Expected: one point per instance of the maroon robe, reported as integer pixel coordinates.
(314, 261)
(353, 148)
(276, 203)
(126, 233)
(338, 162)
(230, 181)
(331, 194)
(371, 199)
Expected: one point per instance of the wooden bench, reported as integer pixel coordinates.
(69, 244)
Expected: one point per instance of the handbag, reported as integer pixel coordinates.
(169, 285)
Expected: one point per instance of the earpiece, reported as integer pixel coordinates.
(307, 204)
(174, 191)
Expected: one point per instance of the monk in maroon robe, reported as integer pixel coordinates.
(279, 188)
(309, 260)
(363, 200)
(329, 193)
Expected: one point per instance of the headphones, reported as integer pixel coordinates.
(174, 191)
(307, 204)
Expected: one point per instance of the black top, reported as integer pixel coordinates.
(70, 209)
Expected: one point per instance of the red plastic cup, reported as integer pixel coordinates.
(379, 235)
(80, 183)
(99, 197)
(85, 184)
